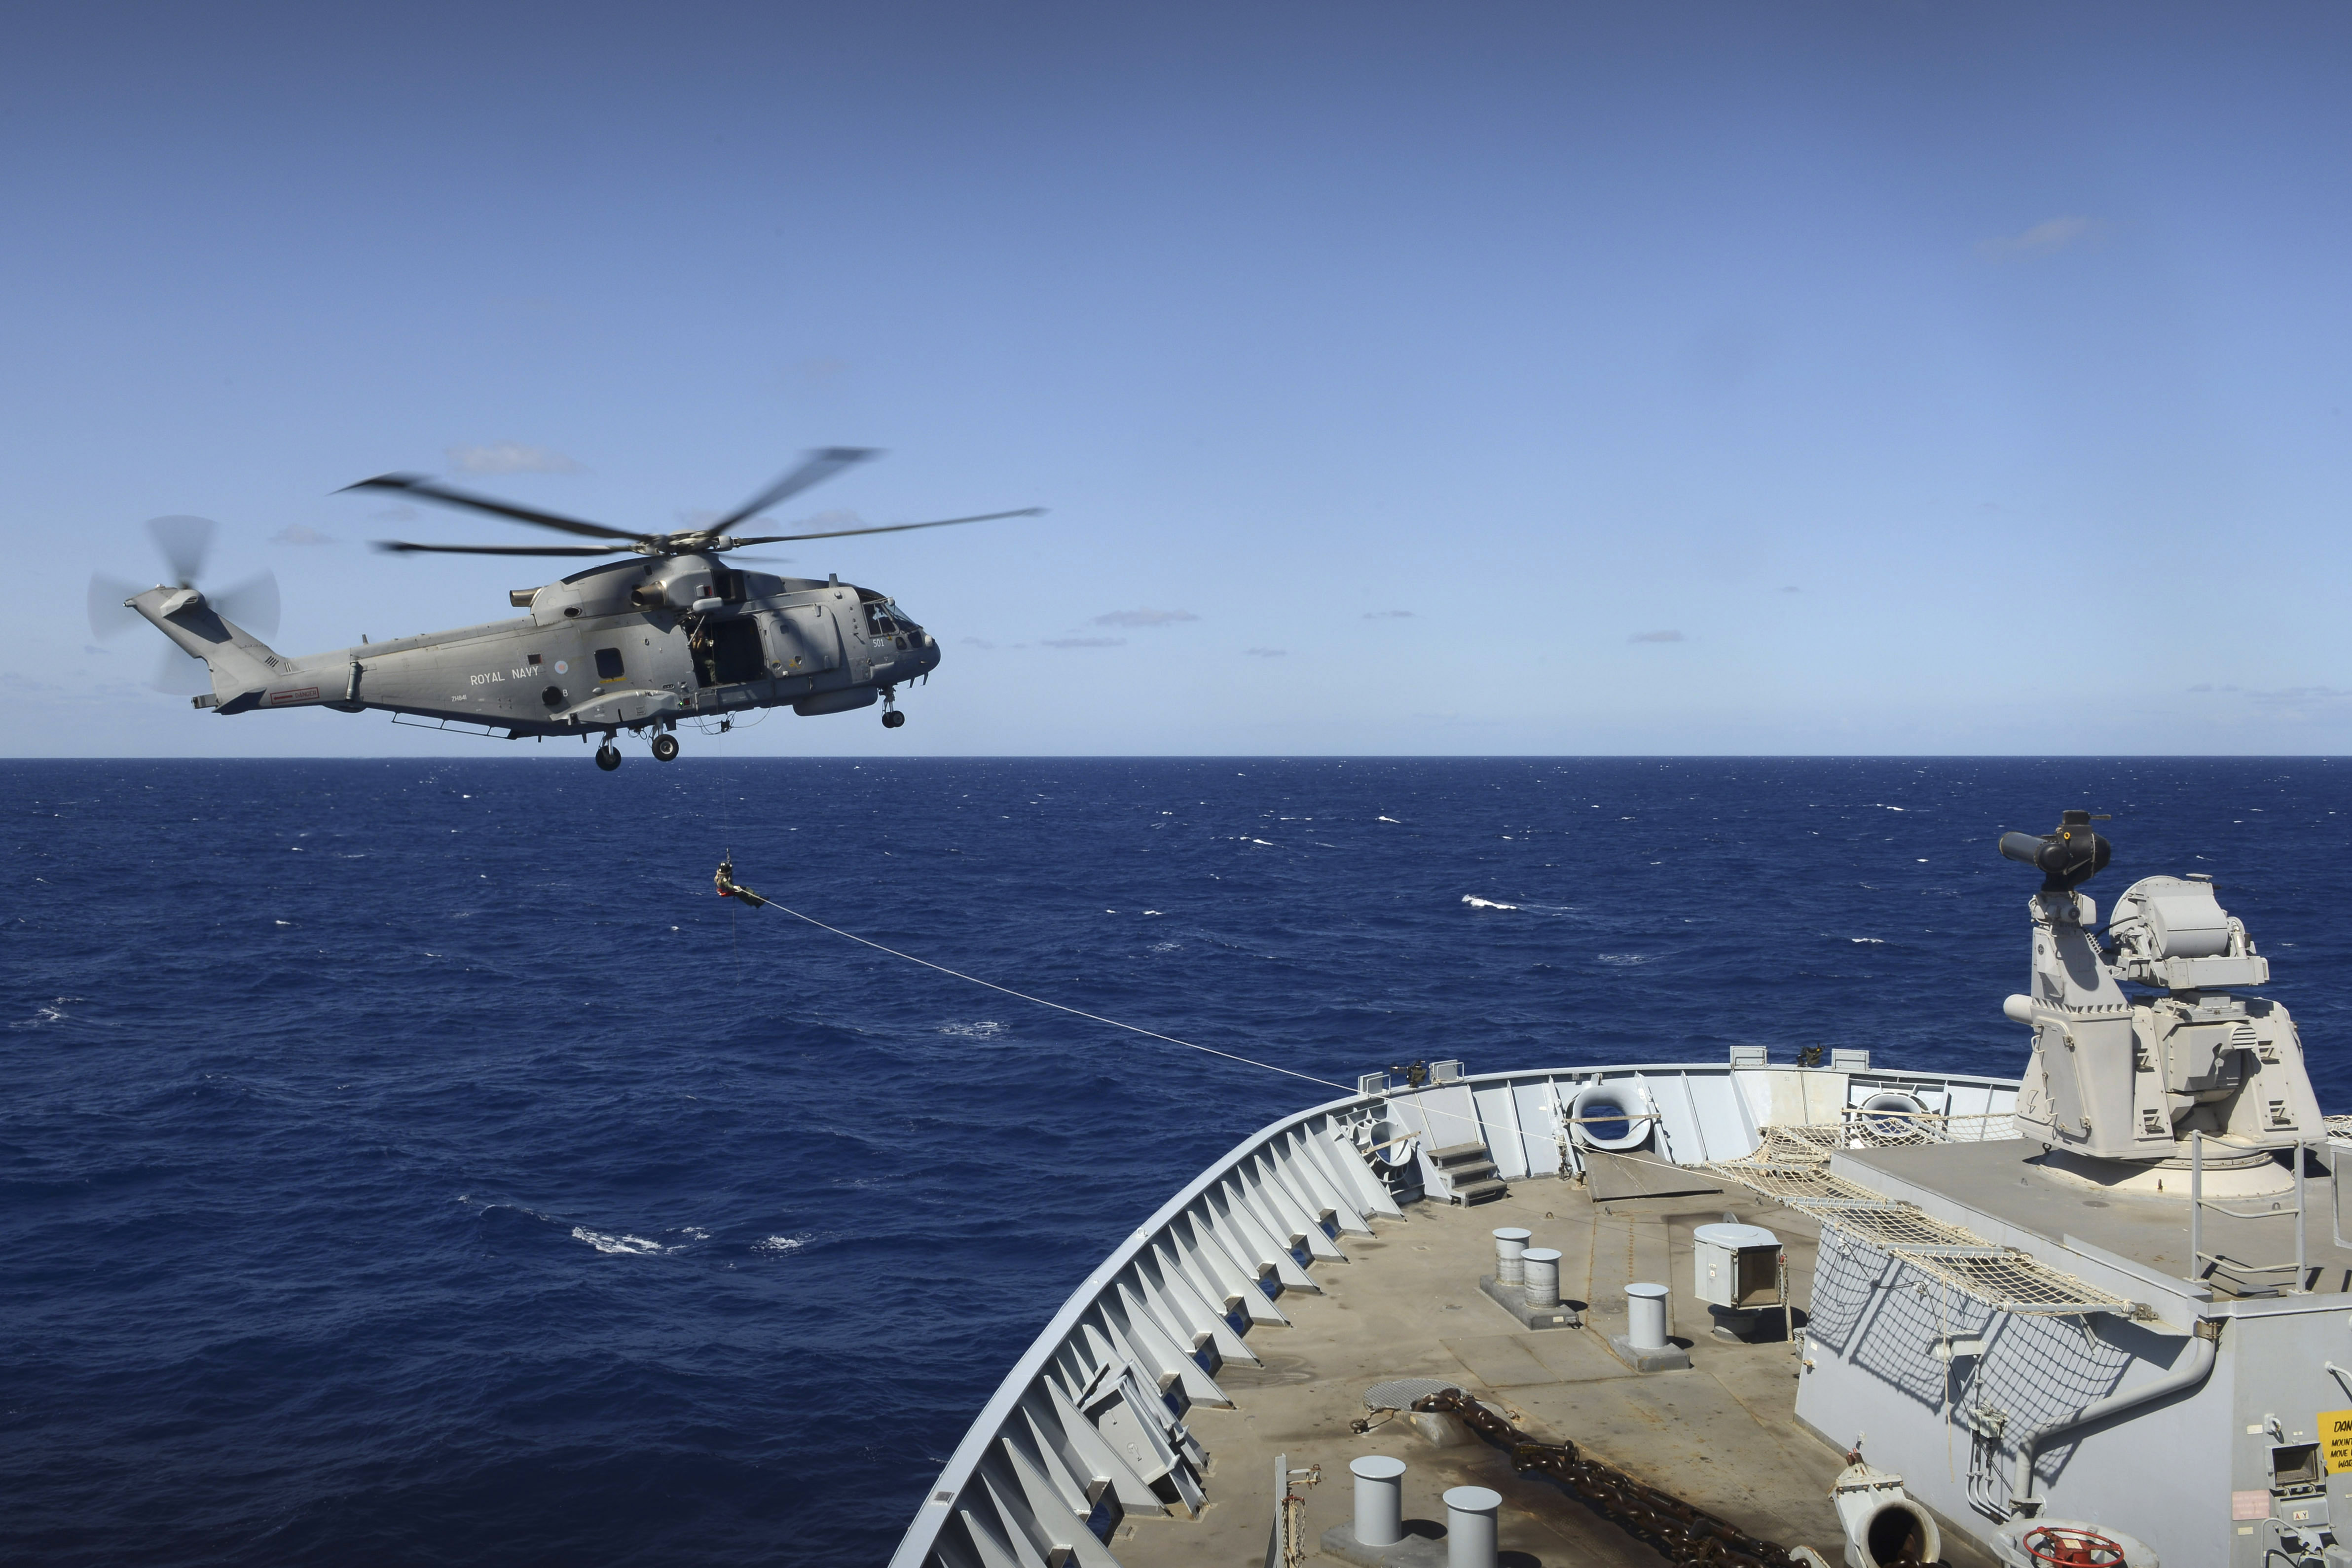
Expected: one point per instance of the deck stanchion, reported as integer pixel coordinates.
(2301, 1255)
(2196, 1206)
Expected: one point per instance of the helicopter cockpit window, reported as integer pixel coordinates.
(885, 619)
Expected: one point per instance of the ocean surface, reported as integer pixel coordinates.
(413, 1162)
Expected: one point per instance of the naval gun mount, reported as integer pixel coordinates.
(2121, 1081)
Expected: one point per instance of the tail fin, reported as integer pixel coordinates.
(242, 665)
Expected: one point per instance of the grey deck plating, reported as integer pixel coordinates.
(1721, 1436)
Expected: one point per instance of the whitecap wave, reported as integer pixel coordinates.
(1475, 901)
(984, 1029)
(1874, 941)
(1623, 957)
(634, 1246)
(777, 1246)
(43, 1017)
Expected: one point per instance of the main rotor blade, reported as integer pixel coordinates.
(402, 547)
(428, 489)
(894, 528)
(252, 605)
(184, 541)
(108, 616)
(815, 470)
(180, 675)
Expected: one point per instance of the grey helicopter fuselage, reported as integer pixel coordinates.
(631, 644)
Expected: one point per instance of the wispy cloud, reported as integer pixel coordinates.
(1388, 614)
(976, 642)
(1144, 617)
(1790, 588)
(1086, 641)
(2050, 235)
(1656, 637)
(510, 457)
(2283, 696)
(1267, 652)
(295, 534)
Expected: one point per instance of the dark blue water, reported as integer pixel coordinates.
(416, 1163)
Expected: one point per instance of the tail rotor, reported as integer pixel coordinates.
(184, 544)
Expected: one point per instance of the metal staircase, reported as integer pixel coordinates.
(1464, 1174)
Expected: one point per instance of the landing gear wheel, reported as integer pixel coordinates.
(665, 747)
(893, 719)
(608, 756)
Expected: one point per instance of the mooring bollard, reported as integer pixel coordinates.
(1540, 1266)
(1645, 1317)
(1470, 1527)
(1510, 1242)
(1380, 1499)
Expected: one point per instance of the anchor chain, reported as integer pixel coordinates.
(1684, 1536)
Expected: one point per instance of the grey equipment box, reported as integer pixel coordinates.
(1736, 1266)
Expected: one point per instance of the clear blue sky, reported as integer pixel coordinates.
(1699, 377)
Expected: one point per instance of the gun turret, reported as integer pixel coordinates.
(2123, 1075)
(2067, 857)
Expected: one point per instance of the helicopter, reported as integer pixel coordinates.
(671, 632)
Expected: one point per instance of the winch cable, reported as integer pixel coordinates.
(729, 890)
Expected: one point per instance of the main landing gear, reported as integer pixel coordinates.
(665, 747)
(892, 717)
(608, 756)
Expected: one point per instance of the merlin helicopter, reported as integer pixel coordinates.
(669, 632)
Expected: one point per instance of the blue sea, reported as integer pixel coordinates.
(413, 1162)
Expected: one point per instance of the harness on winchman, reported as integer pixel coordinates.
(724, 880)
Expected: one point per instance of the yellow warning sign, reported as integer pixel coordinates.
(2335, 1438)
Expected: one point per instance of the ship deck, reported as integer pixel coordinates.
(1721, 1435)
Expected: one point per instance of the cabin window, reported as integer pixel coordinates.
(885, 619)
(608, 664)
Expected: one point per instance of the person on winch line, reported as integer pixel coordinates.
(724, 879)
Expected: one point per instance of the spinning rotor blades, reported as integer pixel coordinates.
(819, 466)
(402, 547)
(184, 543)
(428, 489)
(893, 528)
(180, 675)
(109, 615)
(252, 605)
(813, 469)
